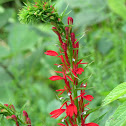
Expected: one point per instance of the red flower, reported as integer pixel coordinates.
(61, 124)
(87, 97)
(65, 89)
(70, 20)
(51, 53)
(80, 70)
(91, 124)
(56, 113)
(53, 78)
(71, 109)
(79, 62)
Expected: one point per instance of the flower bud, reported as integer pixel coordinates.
(70, 20)
(55, 30)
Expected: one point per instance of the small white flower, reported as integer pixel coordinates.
(61, 98)
(69, 94)
(63, 120)
(83, 113)
(59, 66)
(73, 60)
(84, 85)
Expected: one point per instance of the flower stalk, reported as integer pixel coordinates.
(76, 102)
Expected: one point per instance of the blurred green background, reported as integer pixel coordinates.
(24, 69)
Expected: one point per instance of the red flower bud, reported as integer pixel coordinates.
(70, 20)
(55, 30)
(25, 114)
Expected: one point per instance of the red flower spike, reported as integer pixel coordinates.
(54, 78)
(70, 20)
(61, 124)
(91, 124)
(51, 53)
(56, 113)
(80, 70)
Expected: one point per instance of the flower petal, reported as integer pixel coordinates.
(61, 124)
(91, 124)
(88, 97)
(53, 78)
(80, 70)
(51, 53)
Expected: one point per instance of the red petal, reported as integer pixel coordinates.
(51, 53)
(86, 104)
(58, 71)
(91, 124)
(69, 78)
(88, 97)
(61, 124)
(80, 70)
(53, 78)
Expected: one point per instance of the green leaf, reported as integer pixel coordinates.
(119, 117)
(119, 7)
(5, 15)
(21, 37)
(115, 94)
(97, 120)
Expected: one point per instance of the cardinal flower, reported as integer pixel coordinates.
(54, 78)
(56, 113)
(87, 97)
(71, 109)
(51, 53)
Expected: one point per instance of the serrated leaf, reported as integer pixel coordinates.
(115, 94)
(119, 7)
(119, 117)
